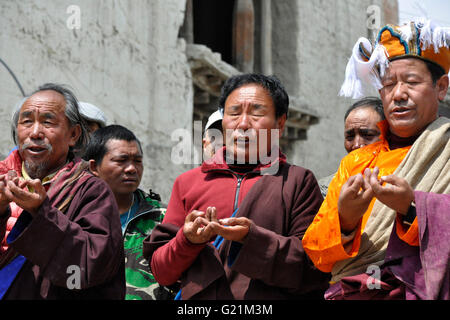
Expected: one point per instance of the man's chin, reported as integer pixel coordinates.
(36, 170)
(245, 157)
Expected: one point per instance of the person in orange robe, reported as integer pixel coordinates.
(409, 66)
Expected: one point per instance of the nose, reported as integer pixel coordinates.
(358, 143)
(130, 168)
(400, 92)
(36, 131)
(244, 122)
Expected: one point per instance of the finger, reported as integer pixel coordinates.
(358, 182)
(367, 172)
(37, 186)
(199, 223)
(208, 213)
(206, 231)
(367, 176)
(350, 181)
(374, 182)
(213, 217)
(391, 179)
(17, 193)
(12, 174)
(234, 233)
(7, 192)
(241, 221)
(211, 229)
(22, 183)
(193, 215)
(15, 180)
(376, 171)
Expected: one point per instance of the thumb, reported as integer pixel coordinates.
(391, 179)
(37, 186)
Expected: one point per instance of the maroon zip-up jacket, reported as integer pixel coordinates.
(270, 264)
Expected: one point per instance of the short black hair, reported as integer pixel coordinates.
(96, 148)
(373, 102)
(271, 83)
(436, 71)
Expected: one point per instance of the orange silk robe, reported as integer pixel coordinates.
(323, 240)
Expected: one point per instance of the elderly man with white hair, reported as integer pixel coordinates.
(59, 224)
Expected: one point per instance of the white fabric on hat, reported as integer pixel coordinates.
(92, 113)
(360, 74)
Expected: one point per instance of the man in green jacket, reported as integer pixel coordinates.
(115, 155)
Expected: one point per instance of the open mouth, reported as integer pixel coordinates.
(401, 110)
(36, 149)
(243, 140)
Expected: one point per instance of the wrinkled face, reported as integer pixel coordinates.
(44, 133)
(249, 116)
(121, 166)
(361, 128)
(410, 99)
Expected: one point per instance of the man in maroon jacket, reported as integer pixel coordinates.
(234, 225)
(59, 225)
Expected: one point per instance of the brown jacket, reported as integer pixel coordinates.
(87, 235)
(271, 263)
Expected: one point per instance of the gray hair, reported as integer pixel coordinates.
(375, 103)
(71, 111)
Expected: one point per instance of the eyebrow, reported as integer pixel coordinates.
(25, 114)
(46, 115)
(362, 130)
(259, 106)
(126, 155)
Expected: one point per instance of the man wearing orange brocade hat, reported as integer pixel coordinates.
(382, 231)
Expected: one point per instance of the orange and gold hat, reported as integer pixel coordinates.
(420, 38)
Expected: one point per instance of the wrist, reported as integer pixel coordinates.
(191, 240)
(348, 220)
(348, 225)
(410, 215)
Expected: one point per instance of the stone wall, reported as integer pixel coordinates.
(128, 59)
(125, 58)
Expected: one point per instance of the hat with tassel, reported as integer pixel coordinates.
(420, 38)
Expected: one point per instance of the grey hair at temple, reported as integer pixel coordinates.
(71, 111)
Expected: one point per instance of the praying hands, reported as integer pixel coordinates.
(201, 227)
(13, 189)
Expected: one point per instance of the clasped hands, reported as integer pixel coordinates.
(359, 190)
(201, 227)
(12, 189)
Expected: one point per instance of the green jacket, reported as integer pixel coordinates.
(141, 285)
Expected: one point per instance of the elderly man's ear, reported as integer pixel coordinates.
(442, 85)
(75, 133)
